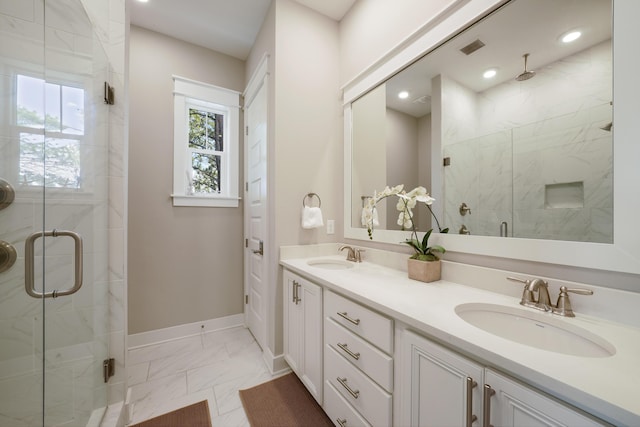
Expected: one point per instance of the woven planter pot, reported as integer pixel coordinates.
(424, 271)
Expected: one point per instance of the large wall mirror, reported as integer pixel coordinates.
(509, 122)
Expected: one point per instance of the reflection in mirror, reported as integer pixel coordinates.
(529, 145)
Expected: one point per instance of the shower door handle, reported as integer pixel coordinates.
(30, 261)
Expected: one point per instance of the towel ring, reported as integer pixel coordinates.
(311, 196)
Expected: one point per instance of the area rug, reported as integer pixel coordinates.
(282, 402)
(196, 415)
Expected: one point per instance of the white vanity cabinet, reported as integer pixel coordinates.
(513, 404)
(442, 387)
(358, 363)
(303, 331)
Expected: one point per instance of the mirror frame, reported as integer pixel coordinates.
(621, 256)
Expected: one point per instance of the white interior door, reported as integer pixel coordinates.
(256, 258)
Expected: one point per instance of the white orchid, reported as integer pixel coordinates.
(406, 203)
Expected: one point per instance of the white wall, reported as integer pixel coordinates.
(373, 27)
(305, 143)
(185, 263)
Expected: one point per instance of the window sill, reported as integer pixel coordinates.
(205, 201)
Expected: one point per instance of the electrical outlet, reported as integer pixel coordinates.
(331, 226)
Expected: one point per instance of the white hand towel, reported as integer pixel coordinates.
(311, 217)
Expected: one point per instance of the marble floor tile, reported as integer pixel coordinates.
(212, 366)
(166, 349)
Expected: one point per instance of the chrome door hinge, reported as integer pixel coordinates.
(246, 130)
(108, 94)
(108, 368)
(246, 186)
(246, 299)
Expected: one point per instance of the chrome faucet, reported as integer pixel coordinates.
(536, 295)
(352, 254)
(563, 307)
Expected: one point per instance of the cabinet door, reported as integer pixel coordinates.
(292, 325)
(514, 404)
(310, 296)
(443, 388)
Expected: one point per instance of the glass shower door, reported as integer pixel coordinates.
(54, 143)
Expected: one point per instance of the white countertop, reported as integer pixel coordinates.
(607, 387)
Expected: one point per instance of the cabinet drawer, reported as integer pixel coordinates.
(339, 409)
(373, 362)
(371, 401)
(370, 325)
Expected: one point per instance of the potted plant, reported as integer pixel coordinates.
(424, 264)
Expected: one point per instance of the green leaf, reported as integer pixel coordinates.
(425, 239)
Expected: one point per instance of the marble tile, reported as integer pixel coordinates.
(138, 373)
(163, 389)
(169, 400)
(236, 418)
(187, 360)
(167, 349)
(227, 396)
(213, 378)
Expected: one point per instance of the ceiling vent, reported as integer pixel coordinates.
(424, 99)
(472, 47)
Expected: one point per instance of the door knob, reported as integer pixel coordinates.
(260, 250)
(8, 256)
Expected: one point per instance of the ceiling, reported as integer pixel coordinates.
(532, 26)
(226, 26)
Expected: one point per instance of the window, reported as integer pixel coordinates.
(206, 145)
(49, 121)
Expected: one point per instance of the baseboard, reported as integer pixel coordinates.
(275, 364)
(181, 331)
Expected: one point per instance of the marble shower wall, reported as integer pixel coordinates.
(84, 328)
(543, 164)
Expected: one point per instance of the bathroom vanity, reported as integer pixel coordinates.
(401, 352)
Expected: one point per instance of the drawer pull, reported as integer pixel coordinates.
(346, 317)
(342, 422)
(349, 352)
(343, 382)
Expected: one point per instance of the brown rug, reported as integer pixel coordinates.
(196, 415)
(282, 402)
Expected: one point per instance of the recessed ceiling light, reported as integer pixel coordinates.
(571, 36)
(490, 73)
(403, 95)
(143, 1)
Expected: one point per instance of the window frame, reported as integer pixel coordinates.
(188, 94)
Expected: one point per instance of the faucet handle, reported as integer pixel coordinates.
(563, 307)
(358, 254)
(527, 295)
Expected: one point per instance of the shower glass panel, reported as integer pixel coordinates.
(54, 154)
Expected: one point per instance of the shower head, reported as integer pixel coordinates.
(525, 75)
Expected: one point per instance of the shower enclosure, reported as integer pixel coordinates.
(53, 215)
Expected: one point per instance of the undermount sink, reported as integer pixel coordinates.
(539, 330)
(330, 264)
